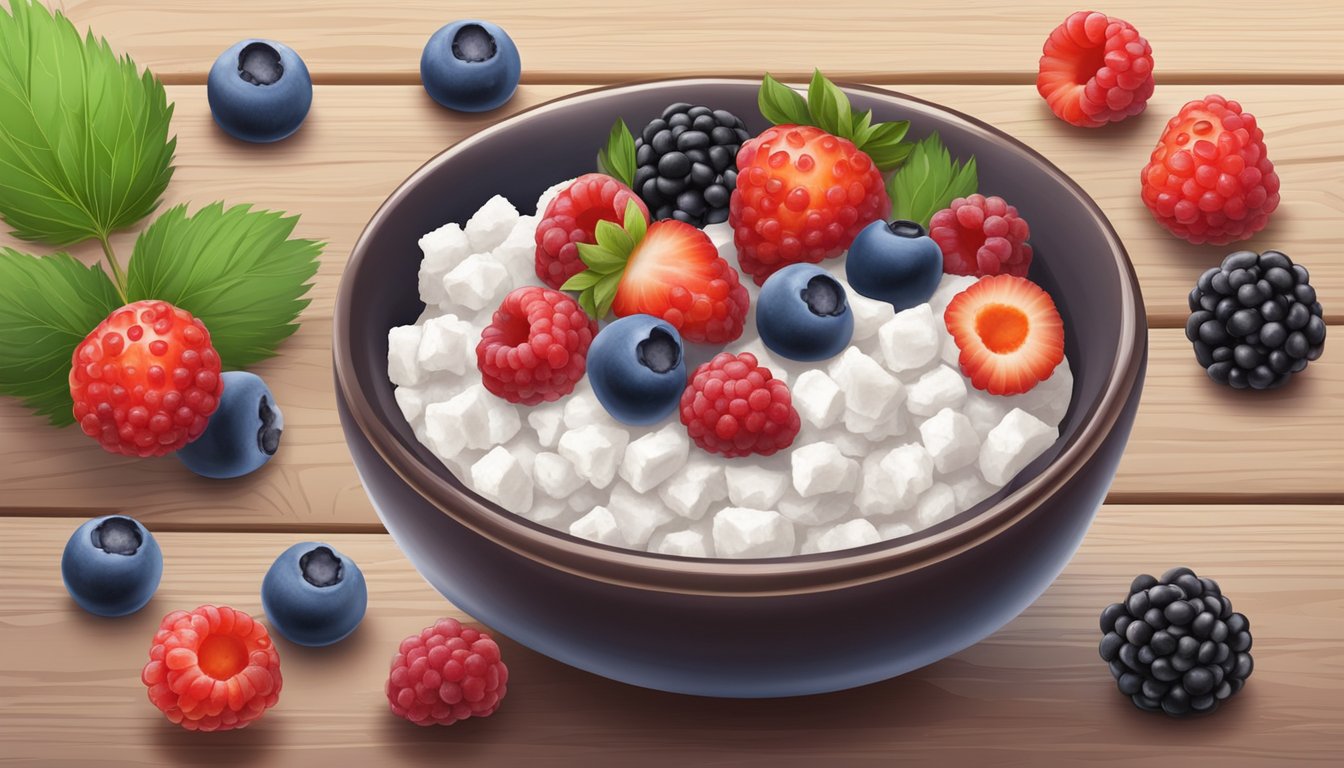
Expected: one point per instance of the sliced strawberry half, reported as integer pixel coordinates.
(668, 269)
(1009, 334)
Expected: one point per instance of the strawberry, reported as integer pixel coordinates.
(802, 196)
(571, 218)
(1009, 334)
(668, 269)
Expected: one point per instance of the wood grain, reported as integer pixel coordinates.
(586, 41)
(1033, 694)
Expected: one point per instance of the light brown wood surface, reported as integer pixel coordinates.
(599, 41)
(1033, 694)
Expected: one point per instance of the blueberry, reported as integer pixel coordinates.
(314, 595)
(802, 314)
(243, 434)
(637, 369)
(259, 91)
(897, 263)
(470, 66)
(111, 566)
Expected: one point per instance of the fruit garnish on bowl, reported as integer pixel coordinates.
(638, 369)
(667, 269)
(1009, 333)
(571, 219)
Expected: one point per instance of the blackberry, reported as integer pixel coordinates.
(1255, 320)
(687, 163)
(1175, 645)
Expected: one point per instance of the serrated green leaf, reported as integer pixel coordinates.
(780, 104)
(929, 180)
(636, 225)
(604, 293)
(582, 281)
(236, 269)
(47, 306)
(84, 147)
(829, 106)
(617, 159)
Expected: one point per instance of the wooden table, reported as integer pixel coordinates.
(1247, 488)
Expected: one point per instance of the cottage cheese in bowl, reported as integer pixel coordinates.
(894, 437)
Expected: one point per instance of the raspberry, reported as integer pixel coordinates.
(982, 236)
(802, 195)
(1209, 179)
(146, 380)
(1095, 69)
(735, 407)
(213, 669)
(572, 218)
(535, 347)
(446, 673)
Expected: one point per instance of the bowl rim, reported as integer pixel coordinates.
(724, 577)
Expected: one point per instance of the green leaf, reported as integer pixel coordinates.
(600, 259)
(617, 159)
(929, 181)
(636, 225)
(236, 269)
(582, 281)
(47, 306)
(604, 293)
(782, 105)
(84, 149)
(829, 106)
(611, 237)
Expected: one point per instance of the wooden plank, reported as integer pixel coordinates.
(1193, 441)
(587, 40)
(1035, 693)
(340, 167)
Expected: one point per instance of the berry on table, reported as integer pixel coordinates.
(535, 346)
(314, 595)
(243, 433)
(735, 407)
(982, 236)
(667, 269)
(259, 91)
(111, 566)
(470, 66)
(637, 369)
(1009, 333)
(571, 218)
(802, 314)
(897, 263)
(1095, 69)
(212, 669)
(1210, 180)
(445, 674)
(146, 380)
(802, 196)
(1255, 320)
(686, 163)
(1175, 645)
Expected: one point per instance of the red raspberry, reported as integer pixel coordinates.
(1210, 179)
(572, 218)
(446, 673)
(535, 347)
(1095, 69)
(213, 669)
(736, 408)
(146, 380)
(982, 236)
(802, 195)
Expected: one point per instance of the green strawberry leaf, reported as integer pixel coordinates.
(47, 306)
(601, 259)
(617, 159)
(604, 293)
(236, 269)
(582, 281)
(828, 108)
(636, 224)
(613, 238)
(84, 149)
(782, 105)
(606, 260)
(929, 181)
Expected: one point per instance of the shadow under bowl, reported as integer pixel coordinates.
(740, 628)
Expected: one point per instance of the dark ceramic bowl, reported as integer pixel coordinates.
(752, 628)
